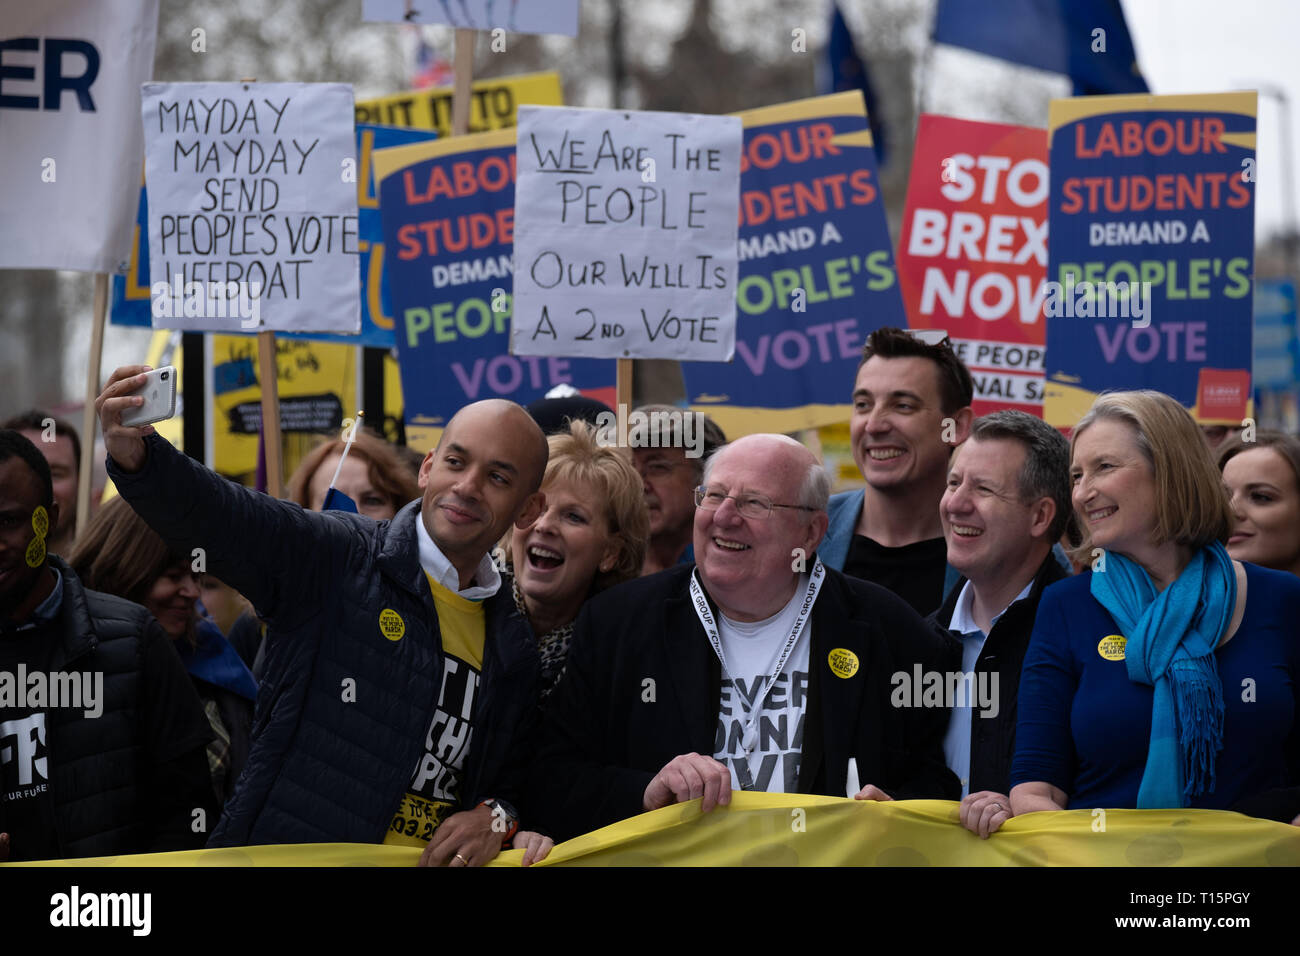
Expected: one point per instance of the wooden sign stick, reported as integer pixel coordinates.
(88, 422)
(463, 64)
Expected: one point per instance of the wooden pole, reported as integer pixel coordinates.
(269, 378)
(88, 423)
(464, 67)
(623, 388)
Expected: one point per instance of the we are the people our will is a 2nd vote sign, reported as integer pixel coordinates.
(252, 192)
(626, 234)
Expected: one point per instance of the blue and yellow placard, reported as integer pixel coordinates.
(1151, 251)
(816, 270)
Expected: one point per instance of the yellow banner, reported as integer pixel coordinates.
(760, 829)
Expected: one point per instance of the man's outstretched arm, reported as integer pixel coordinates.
(279, 556)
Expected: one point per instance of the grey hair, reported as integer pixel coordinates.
(1046, 473)
(814, 490)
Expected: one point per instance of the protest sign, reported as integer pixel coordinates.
(252, 206)
(816, 270)
(1152, 250)
(972, 256)
(448, 227)
(131, 298)
(625, 233)
(70, 147)
(317, 385)
(1275, 334)
(494, 105)
(516, 16)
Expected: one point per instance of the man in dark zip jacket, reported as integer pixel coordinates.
(102, 737)
(399, 692)
(1006, 504)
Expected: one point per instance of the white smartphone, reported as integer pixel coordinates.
(159, 392)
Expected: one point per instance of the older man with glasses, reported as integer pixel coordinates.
(758, 669)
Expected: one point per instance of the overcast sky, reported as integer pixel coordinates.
(1207, 46)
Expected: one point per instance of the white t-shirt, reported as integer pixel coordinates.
(752, 651)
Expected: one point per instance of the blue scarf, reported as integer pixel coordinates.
(1172, 635)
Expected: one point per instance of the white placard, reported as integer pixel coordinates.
(252, 185)
(626, 234)
(70, 150)
(513, 16)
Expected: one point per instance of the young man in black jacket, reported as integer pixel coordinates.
(1007, 503)
(399, 697)
(102, 737)
(756, 669)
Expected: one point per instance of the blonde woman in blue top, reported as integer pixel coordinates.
(1169, 674)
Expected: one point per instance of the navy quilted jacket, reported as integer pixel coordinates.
(323, 768)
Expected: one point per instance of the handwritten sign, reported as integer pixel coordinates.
(493, 105)
(972, 257)
(1152, 219)
(448, 229)
(252, 195)
(626, 234)
(515, 16)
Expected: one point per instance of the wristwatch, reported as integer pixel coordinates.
(505, 819)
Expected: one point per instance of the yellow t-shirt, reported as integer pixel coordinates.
(435, 785)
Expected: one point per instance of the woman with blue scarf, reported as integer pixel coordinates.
(1168, 674)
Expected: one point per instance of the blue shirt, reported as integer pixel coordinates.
(1084, 726)
(956, 742)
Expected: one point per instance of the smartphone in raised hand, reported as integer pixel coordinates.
(159, 393)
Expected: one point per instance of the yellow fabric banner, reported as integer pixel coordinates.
(760, 829)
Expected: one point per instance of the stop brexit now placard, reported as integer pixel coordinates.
(972, 257)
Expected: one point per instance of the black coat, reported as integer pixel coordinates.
(129, 779)
(604, 738)
(324, 768)
(993, 738)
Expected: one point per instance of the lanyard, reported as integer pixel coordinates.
(705, 614)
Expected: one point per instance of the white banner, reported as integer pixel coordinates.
(252, 206)
(513, 16)
(626, 234)
(70, 148)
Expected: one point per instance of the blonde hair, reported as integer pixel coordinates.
(576, 456)
(1192, 506)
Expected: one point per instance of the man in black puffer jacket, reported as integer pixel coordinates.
(400, 690)
(102, 737)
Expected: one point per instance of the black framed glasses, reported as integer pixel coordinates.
(749, 505)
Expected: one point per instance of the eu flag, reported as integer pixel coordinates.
(1086, 39)
(336, 500)
(848, 72)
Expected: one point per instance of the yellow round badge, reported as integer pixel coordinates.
(1111, 647)
(844, 663)
(40, 521)
(391, 624)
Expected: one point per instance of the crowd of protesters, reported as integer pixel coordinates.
(538, 632)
